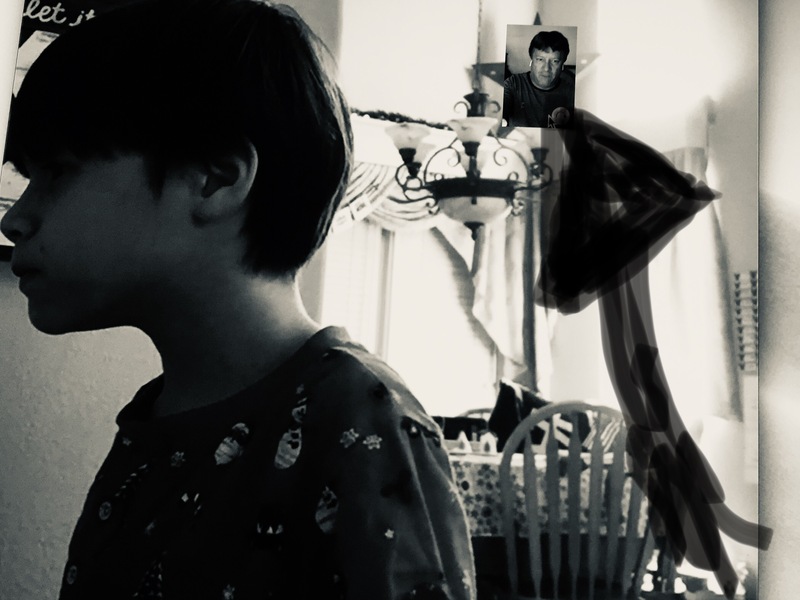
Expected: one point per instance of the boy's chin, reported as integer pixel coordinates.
(53, 322)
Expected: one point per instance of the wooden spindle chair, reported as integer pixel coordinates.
(550, 565)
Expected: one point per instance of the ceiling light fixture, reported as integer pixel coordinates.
(477, 178)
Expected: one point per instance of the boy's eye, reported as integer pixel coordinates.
(54, 170)
(50, 170)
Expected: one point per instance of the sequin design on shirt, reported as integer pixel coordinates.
(349, 437)
(232, 446)
(152, 582)
(177, 459)
(269, 531)
(191, 502)
(326, 510)
(128, 486)
(373, 442)
(291, 442)
(427, 591)
(415, 430)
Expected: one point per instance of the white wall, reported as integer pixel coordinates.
(58, 400)
(414, 57)
(780, 288)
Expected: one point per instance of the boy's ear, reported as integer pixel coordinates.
(226, 182)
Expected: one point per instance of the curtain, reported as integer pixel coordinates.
(620, 204)
(501, 261)
(689, 284)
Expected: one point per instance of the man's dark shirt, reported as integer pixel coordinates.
(525, 105)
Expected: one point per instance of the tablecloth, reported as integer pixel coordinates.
(477, 477)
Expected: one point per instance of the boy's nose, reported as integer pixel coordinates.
(15, 225)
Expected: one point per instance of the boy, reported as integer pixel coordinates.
(185, 159)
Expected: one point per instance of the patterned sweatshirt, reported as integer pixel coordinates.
(326, 479)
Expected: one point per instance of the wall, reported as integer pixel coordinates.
(647, 79)
(415, 57)
(733, 139)
(58, 400)
(780, 287)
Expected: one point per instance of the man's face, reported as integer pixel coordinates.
(91, 242)
(546, 67)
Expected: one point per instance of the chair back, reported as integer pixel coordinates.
(557, 556)
(478, 413)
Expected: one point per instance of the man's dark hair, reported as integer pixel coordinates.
(554, 40)
(180, 81)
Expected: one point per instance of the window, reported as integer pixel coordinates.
(406, 296)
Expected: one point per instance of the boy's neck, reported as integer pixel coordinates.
(230, 339)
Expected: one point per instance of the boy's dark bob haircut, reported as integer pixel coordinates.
(185, 80)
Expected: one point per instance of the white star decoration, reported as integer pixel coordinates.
(389, 534)
(373, 442)
(348, 438)
(466, 579)
(177, 459)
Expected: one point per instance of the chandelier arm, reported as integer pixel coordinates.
(404, 184)
(502, 161)
(517, 205)
(427, 199)
(455, 160)
(412, 192)
(465, 104)
(536, 170)
(545, 178)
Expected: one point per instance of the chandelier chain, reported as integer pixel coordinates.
(476, 77)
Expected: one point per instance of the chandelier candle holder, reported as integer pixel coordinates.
(477, 178)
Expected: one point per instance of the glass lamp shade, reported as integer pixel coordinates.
(471, 129)
(407, 135)
(475, 210)
(474, 202)
(531, 136)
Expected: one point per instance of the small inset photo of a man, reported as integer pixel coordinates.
(539, 87)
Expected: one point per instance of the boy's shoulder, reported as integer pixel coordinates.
(352, 385)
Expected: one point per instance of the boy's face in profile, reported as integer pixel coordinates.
(90, 237)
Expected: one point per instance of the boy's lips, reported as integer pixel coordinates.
(27, 275)
(23, 270)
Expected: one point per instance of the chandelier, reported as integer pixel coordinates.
(478, 177)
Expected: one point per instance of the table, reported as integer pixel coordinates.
(477, 477)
